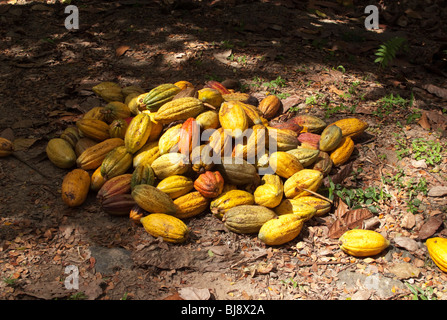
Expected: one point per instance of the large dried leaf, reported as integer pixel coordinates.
(430, 227)
(341, 175)
(351, 219)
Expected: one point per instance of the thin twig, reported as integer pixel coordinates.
(318, 195)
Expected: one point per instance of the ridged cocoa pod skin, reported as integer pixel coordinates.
(323, 163)
(210, 184)
(60, 153)
(269, 106)
(343, 151)
(247, 218)
(351, 127)
(278, 231)
(153, 200)
(437, 249)
(330, 138)
(94, 129)
(190, 205)
(117, 185)
(75, 187)
(92, 157)
(169, 228)
(6, 147)
(118, 205)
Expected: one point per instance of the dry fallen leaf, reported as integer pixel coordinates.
(191, 293)
(430, 227)
(121, 50)
(350, 219)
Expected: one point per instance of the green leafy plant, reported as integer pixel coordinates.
(356, 198)
(388, 50)
(428, 150)
(421, 294)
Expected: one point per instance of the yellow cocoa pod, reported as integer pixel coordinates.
(351, 127)
(75, 187)
(92, 157)
(280, 230)
(321, 206)
(302, 210)
(232, 118)
(363, 243)
(284, 164)
(343, 151)
(169, 140)
(147, 154)
(190, 205)
(170, 164)
(176, 185)
(152, 199)
(210, 96)
(208, 120)
(230, 199)
(305, 179)
(137, 132)
(169, 228)
(269, 194)
(437, 249)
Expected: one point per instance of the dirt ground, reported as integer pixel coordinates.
(316, 55)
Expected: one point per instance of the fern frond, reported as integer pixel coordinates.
(388, 51)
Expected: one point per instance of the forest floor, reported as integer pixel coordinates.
(316, 56)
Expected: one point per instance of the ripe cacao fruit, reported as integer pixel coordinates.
(363, 243)
(284, 164)
(247, 218)
(116, 185)
(343, 151)
(176, 186)
(94, 129)
(233, 119)
(330, 138)
(169, 228)
(152, 199)
(229, 199)
(115, 110)
(6, 147)
(351, 127)
(116, 162)
(269, 106)
(137, 132)
(60, 153)
(437, 249)
(169, 164)
(302, 210)
(270, 193)
(147, 154)
(179, 109)
(142, 174)
(190, 205)
(305, 179)
(109, 91)
(280, 230)
(158, 96)
(210, 184)
(75, 187)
